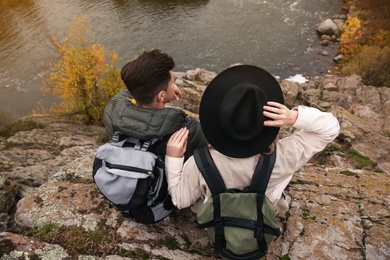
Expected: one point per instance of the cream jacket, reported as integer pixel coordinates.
(316, 129)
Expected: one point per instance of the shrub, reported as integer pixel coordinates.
(352, 32)
(84, 76)
(372, 63)
(6, 121)
(365, 42)
(9, 125)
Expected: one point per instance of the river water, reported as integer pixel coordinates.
(278, 35)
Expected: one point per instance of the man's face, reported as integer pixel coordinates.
(172, 92)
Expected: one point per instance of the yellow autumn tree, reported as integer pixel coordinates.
(351, 36)
(365, 42)
(84, 75)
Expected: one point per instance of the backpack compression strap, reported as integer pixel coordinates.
(214, 181)
(259, 185)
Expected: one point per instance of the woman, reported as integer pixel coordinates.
(241, 112)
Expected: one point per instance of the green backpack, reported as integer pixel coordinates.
(241, 224)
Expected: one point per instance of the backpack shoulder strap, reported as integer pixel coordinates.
(209, 171)
(259, 185)
(262, 173)
(214, 181)
(159, 147)
(148, 143)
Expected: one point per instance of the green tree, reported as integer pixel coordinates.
(84, 75)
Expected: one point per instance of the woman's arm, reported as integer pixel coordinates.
(315, 130)
(183, 188)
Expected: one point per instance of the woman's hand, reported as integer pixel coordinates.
(280, 115)
(177, 143)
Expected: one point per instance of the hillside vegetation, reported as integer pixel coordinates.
(365, 42)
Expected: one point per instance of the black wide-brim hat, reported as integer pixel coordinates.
(231, 111)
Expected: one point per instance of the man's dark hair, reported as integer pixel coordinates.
(147, 75)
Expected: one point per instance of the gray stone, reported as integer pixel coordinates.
(338, 22)
(327, 27)
(338, 58)
(330, 86)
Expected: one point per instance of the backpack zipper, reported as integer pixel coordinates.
(129, 168)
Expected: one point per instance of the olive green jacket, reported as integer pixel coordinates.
(145, 123)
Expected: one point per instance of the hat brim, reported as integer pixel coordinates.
(211, 103)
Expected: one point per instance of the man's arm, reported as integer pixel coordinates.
(196, 138)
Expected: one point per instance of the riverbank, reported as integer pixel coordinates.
(339, 201)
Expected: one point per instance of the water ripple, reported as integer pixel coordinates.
(212, 34)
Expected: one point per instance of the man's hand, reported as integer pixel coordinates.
(177, 91)
(280, 115)
(177, 143)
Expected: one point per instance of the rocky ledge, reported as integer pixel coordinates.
(51, 209)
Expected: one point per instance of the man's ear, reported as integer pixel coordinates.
(160, 96)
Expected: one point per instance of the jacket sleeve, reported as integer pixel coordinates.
(196, 138)
(315, 129)
(184, 187)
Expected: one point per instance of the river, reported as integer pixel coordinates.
(278, 35)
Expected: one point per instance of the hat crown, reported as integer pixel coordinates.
(241, 112)
(231, 111)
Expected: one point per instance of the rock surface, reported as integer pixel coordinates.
(50, 208)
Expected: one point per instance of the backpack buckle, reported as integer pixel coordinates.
(259, 235)
(116, 137)
(218, 227)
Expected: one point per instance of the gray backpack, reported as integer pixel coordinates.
(241, 223)
(133, 179)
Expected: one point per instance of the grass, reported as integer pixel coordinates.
(349, 173)
(169, 243)
(101, 242)
(9, 125)
(305, 213)
(75, 240)
(287, 214)
(6, 121)
(186, 239)
(47, 231)
(103, 138)
(360, 160)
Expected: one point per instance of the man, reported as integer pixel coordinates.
(139, 111)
